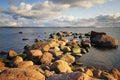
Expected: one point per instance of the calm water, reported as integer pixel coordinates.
(11, 39)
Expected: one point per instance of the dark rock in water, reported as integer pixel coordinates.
(24, 39)
(21, 74)
(101, 39)
(20, 32)
(71, 76)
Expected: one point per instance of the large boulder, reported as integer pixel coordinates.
(101, 39)
(21, 74)
(71, 76)
(60, 66)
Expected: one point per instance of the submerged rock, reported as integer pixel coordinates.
(101, 39)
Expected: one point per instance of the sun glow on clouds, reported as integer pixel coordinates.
(50, 13)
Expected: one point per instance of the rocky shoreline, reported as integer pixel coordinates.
(57, 58)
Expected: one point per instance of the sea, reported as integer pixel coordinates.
(10, 39)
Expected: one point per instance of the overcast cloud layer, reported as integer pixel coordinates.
(49, 13)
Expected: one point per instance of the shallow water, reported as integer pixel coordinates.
(106, 59)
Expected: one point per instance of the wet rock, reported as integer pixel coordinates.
(24, 39)
(24, 64)
(101, 39)
(46, 58)
(97, 73)
(89, 72)
(85, 44)
(65, 48)
(83, 51)
(76, 51)
(107, 76)
(2, 64)
(12, 54)
(68, 58)
(60, 66)
(73, 42)
(20, 32)
(116, 73)
(21, 74)
(71, 76)
(17, 60)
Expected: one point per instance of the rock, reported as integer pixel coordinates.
(42, 45)
(65, 48)
(25, 64)
(101, 39)
(73, 42)
(53, 43)
(83, 51)
(3, 68)
(36, 68)
(76, 51)
(60, 66)
(2, 64)
(11, 54)
(17, 60)
(48, 73)
(46, 58)
(116, 73)
(89, 72)
(68, 58)
(21, 74)
(71, 76)
(36, 53)
(107, 76)
(97, 73)
(20, 32)
(24, 39)
(55, 53)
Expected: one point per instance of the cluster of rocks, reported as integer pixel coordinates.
(56, 59)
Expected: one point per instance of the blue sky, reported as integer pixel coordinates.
(60, 13)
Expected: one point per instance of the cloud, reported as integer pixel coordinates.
(80, 3)
(110, 20)
(51, 8)
(42, 10)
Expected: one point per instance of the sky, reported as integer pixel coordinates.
(60, 13)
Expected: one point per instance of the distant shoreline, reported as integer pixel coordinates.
(58, 27)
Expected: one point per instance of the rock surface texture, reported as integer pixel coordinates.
(101, 39)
